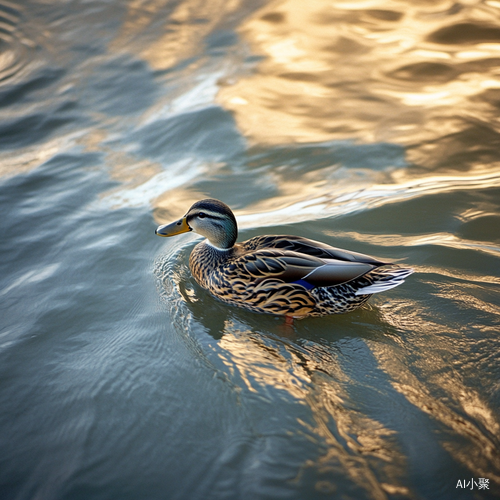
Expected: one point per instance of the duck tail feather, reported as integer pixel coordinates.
(385, 280)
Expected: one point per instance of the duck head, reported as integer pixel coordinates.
(210, 218)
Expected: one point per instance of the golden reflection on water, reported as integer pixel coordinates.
(362, 442)
(369, 445)
(259, 365)
(370, 71)
(375, 71)
(460, 408)
(358, 446)
(423, 75)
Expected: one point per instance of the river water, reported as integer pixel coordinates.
(369, 125)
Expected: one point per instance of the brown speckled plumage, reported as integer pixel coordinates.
(282, 275)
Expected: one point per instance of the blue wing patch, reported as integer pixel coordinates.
(304, 283)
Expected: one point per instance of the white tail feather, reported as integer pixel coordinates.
(385, 281)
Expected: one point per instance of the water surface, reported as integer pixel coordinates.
(368, 125)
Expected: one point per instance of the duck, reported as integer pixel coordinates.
(282, 275)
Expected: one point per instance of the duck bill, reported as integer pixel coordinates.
(178, 227)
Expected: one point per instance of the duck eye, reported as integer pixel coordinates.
(202, 215)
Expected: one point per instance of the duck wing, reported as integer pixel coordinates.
(294, 267)
(309, 247)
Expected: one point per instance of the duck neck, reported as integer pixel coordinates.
(223, 237)
(206, 257)
(219, 249)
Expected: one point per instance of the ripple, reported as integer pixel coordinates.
(465, 33)
(385, 15)
(356, 195)
(425, 72)
(15, 47)
(463, 410)
(482, 228)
